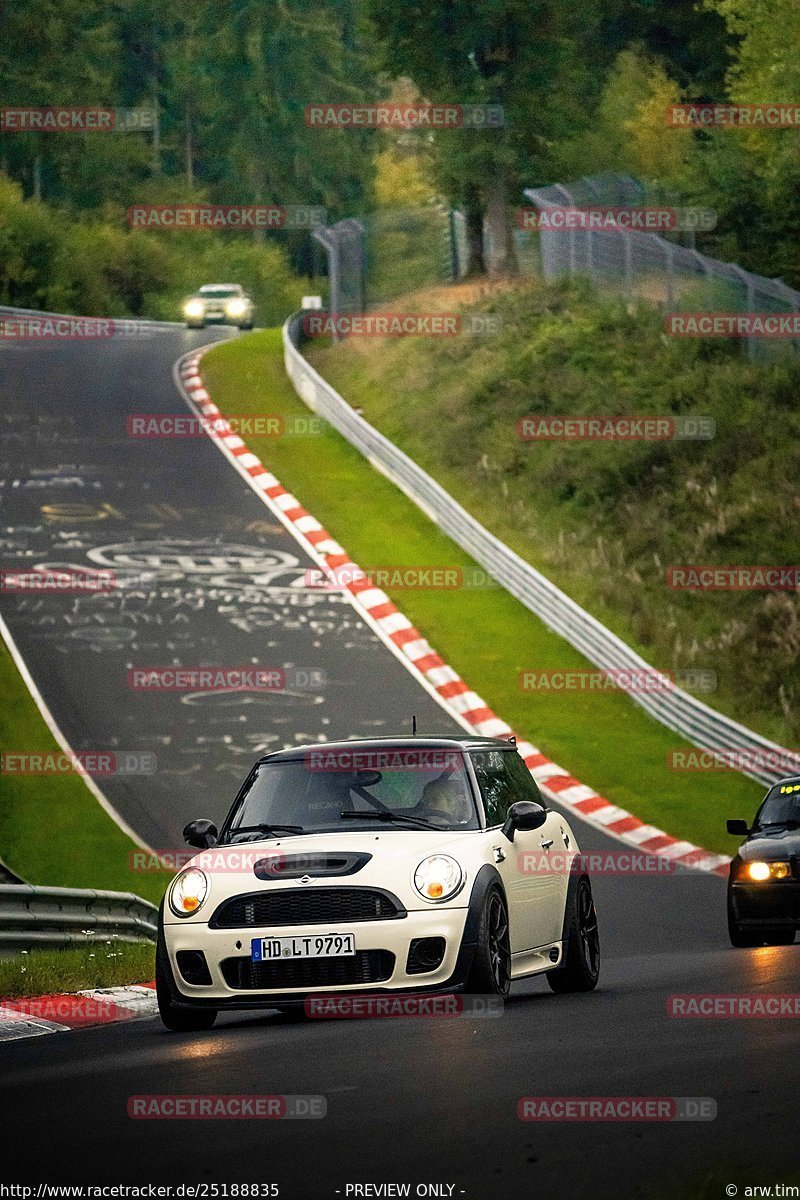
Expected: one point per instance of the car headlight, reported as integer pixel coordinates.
(194, 308)
(187, 892)
(438, 877)
(760, 872)
(236, 308)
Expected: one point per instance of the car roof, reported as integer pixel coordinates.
(206, 286)
(460, 741)
(783, 782)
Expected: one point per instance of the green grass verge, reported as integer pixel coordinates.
(53, 832)
(488, 637)
(95, 965)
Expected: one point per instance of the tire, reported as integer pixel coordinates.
(246, 328)
(490, 973)
(580, 969)
(745, 938)
(778, 937)
(177, 1020)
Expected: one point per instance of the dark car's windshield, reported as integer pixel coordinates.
(221, 293)
(781, 807)
(424, 789)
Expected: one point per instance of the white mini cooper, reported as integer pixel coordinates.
(385, 866)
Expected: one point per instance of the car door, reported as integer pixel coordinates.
(534, 867)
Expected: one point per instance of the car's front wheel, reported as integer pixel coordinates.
(580, 969)
(491, 967)
(179, 1020)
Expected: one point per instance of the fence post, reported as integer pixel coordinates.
(455, 266)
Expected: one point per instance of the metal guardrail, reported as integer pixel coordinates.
(677, 709)
(39, 917)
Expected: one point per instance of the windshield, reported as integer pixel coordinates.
(428, 790)
(781, 806)
(221, 292)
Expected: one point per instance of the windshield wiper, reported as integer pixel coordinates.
(790, 824)
(268, 829)
(388, 816)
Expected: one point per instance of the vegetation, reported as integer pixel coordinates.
(52, 830)
(605, 739)
(78, 968)
(606, 519)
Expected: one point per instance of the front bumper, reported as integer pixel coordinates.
(774, 903)
(214, 317)
(382, 947)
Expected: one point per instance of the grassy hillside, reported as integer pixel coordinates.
(604, 738)
(605, 520)
(52, 829)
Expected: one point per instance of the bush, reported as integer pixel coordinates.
(98, 268)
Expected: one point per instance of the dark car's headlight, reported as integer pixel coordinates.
(759, 871)
(187, 892)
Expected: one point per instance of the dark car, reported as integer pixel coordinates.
(764, 881)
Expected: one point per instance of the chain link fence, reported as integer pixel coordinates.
(397, 251)
(665, 268)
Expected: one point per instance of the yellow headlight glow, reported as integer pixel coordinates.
(759, 872)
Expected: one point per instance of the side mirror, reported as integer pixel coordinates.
(202, 834)
(525, 814)
(739, 828)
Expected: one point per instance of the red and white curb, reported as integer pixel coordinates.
(408, 644)
(32, 1016)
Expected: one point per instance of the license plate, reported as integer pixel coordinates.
(317, 945)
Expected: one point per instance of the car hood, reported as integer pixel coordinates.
(395, 854)
(772, 845)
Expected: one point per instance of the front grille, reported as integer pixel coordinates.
(365, 966)
(298, 906)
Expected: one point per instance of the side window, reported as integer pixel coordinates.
(523, 780)
(503, 779)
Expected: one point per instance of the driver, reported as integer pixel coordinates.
(445, 797)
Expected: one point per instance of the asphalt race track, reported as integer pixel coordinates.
(214, 579)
